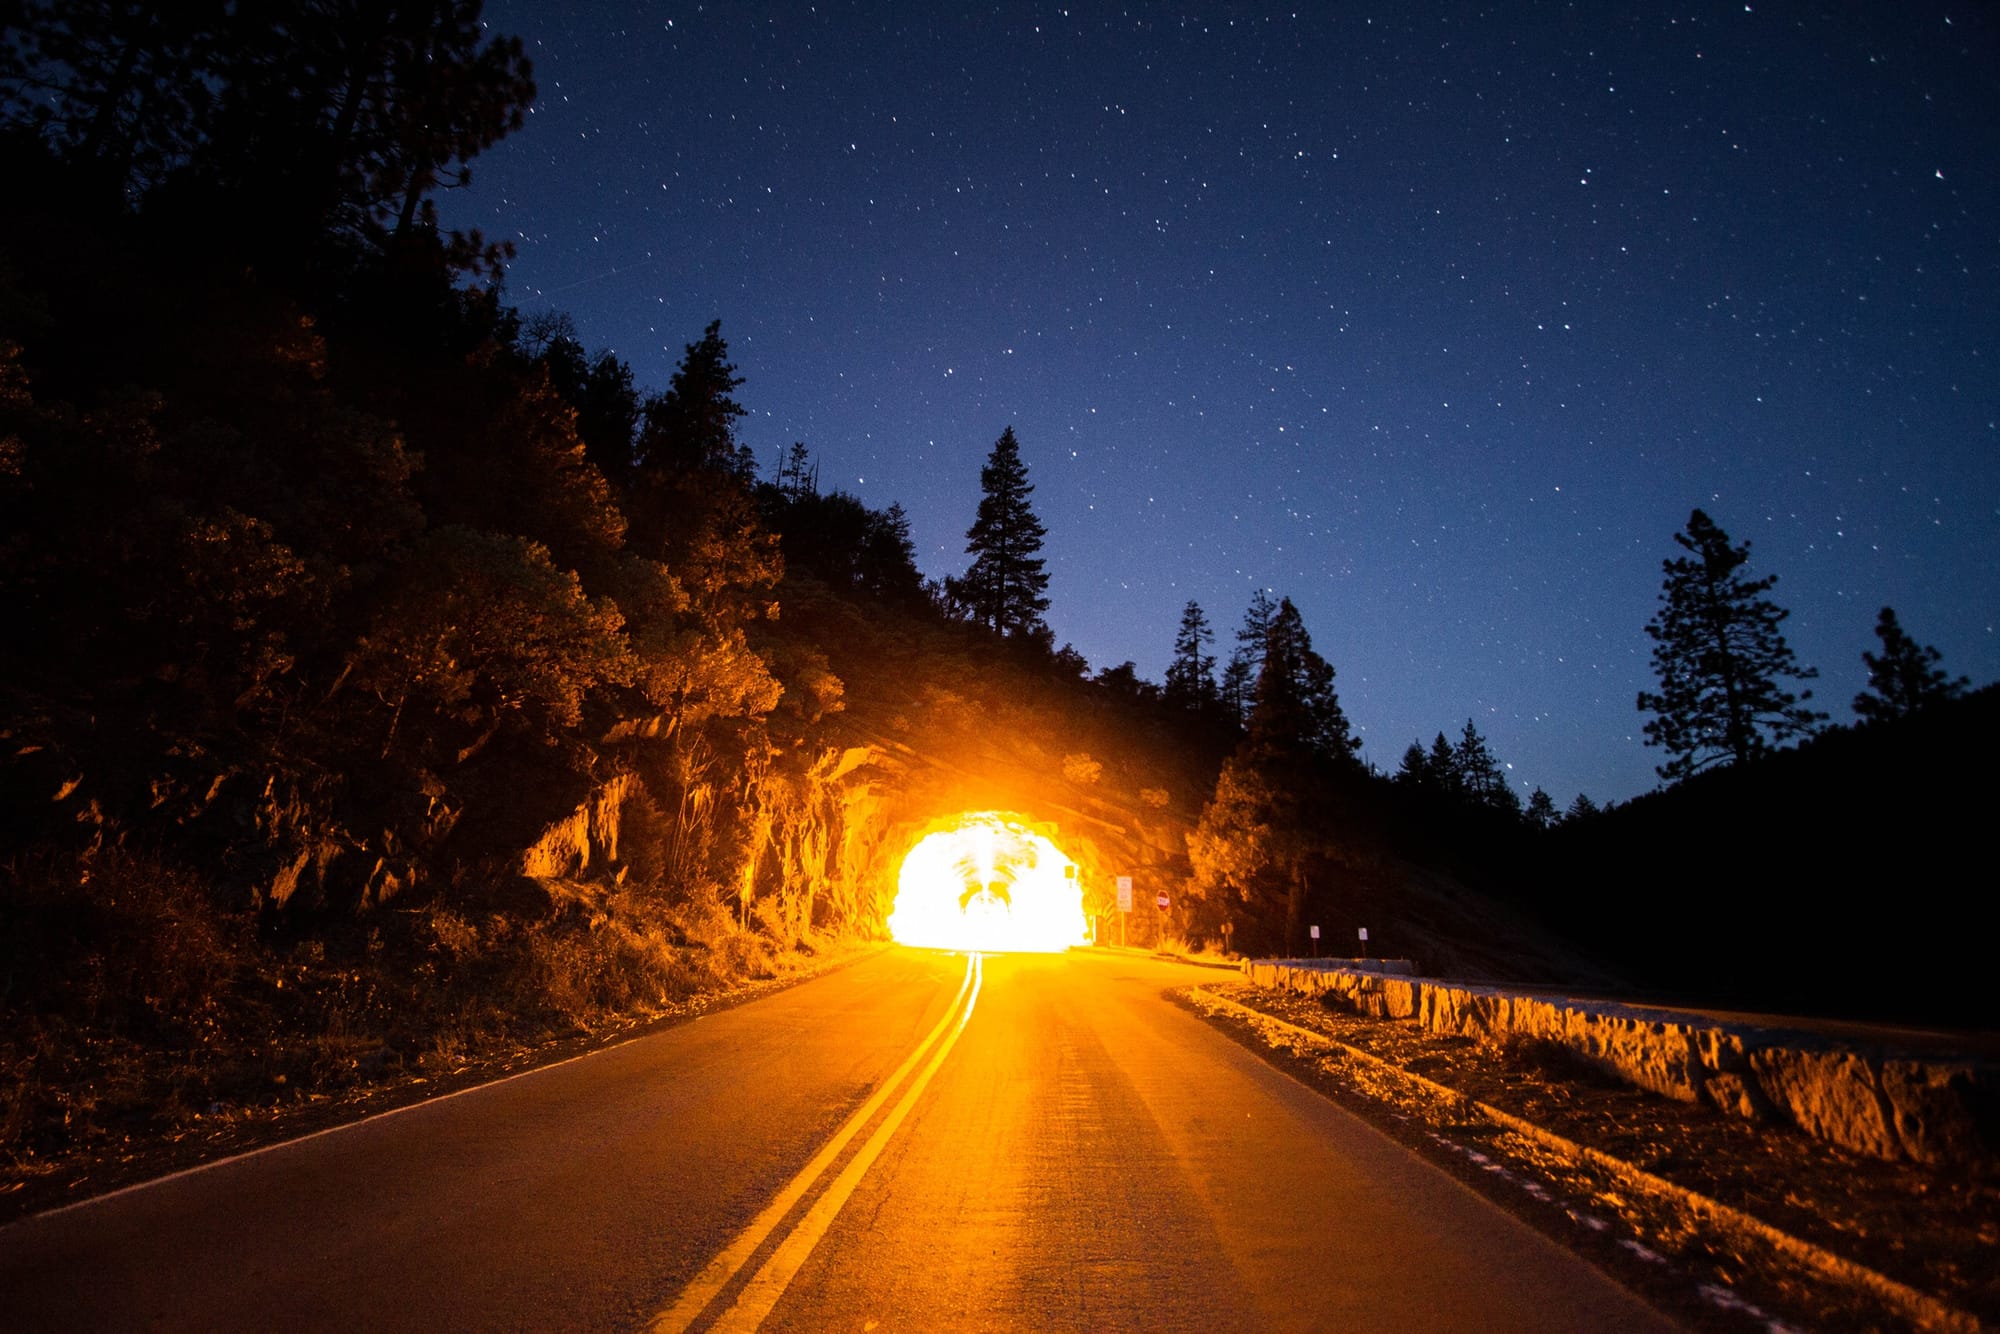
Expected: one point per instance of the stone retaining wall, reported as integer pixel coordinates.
(1873, 1101)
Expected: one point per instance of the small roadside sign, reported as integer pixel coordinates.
(1124, 893)
(1160, 902)
(1315, 932)
(1364, 932)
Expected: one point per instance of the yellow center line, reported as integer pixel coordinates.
(769, 1283)
(719, 1272)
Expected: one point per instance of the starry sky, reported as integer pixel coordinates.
(1436, 318)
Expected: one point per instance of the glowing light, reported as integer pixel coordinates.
(991, 884)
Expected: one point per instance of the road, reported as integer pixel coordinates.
(920, 1141)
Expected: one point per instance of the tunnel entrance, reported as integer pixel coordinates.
(987, 881)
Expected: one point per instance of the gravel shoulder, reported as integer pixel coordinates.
(1933, 1238)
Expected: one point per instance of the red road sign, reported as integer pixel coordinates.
(1161, 901)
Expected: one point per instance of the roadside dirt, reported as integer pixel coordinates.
(1936, 1233)
(176, 1138)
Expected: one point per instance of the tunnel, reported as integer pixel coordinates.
(988, 881)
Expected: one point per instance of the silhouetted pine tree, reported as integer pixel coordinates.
(888, 565)
(1442, 766)
(1190, 682)
(1256, 628)
(693, 425)
(1270, 832)
(1541, 812)
(1720, 658)
(798, 475)
(1233, 690)
(690, 504)
(601, 391)
(1006, 585)
(1480, 779)
(1580, 809)
(1295, 703)
(1904, 677)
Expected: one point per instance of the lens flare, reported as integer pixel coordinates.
(989, 884)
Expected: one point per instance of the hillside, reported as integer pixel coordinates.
(1844, 876)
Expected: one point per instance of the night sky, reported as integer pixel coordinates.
(1437, 319)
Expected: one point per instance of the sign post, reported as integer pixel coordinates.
(1313, 931)
(1364, 942)
(1124, 905)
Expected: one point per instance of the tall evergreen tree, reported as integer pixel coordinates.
(602, 392)
(1443, 768)
(1005, 588)
(1233, 690)
(1904, 677)
(1256, 628)
(1480, 779)
(1541, 812)
(1580, 809)
(1415, 770)
(691, 505)
(798, 475)
(1269, 832)
(1721, 660)
(888, 564)
(1295, 703)
(1190, 682)
(693, 425)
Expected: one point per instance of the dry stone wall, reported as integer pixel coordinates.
(1885, 1104)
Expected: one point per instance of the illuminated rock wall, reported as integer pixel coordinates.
(1873, 1101)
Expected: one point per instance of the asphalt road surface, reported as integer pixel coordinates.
(920, 1141)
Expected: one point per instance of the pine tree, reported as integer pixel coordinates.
(1905, 677)
(1234, 689)
(1190, 682)
(1480, 777)
(888, 562)
(691, 506)
(1541, 812)
(692, 426)
(1415, 771)
(1006, 585)
(1720, 658)
(1295, 703)
(602, 392)
(1580, 809)
(798, 475)
(1256, 629)
(1270, 831)
(1443, 768)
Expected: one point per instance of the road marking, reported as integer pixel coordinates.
(769, 1282)
(422, 1105)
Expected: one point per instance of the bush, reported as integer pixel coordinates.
(116, 939)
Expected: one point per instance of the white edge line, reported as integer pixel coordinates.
(416, 1106)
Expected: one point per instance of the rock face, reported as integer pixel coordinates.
(1940, 1112)
(590, 832)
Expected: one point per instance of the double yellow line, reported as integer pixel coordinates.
(767, 1284)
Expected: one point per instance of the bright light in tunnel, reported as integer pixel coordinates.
(991, 884)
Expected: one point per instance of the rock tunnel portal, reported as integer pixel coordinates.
(988, 881)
